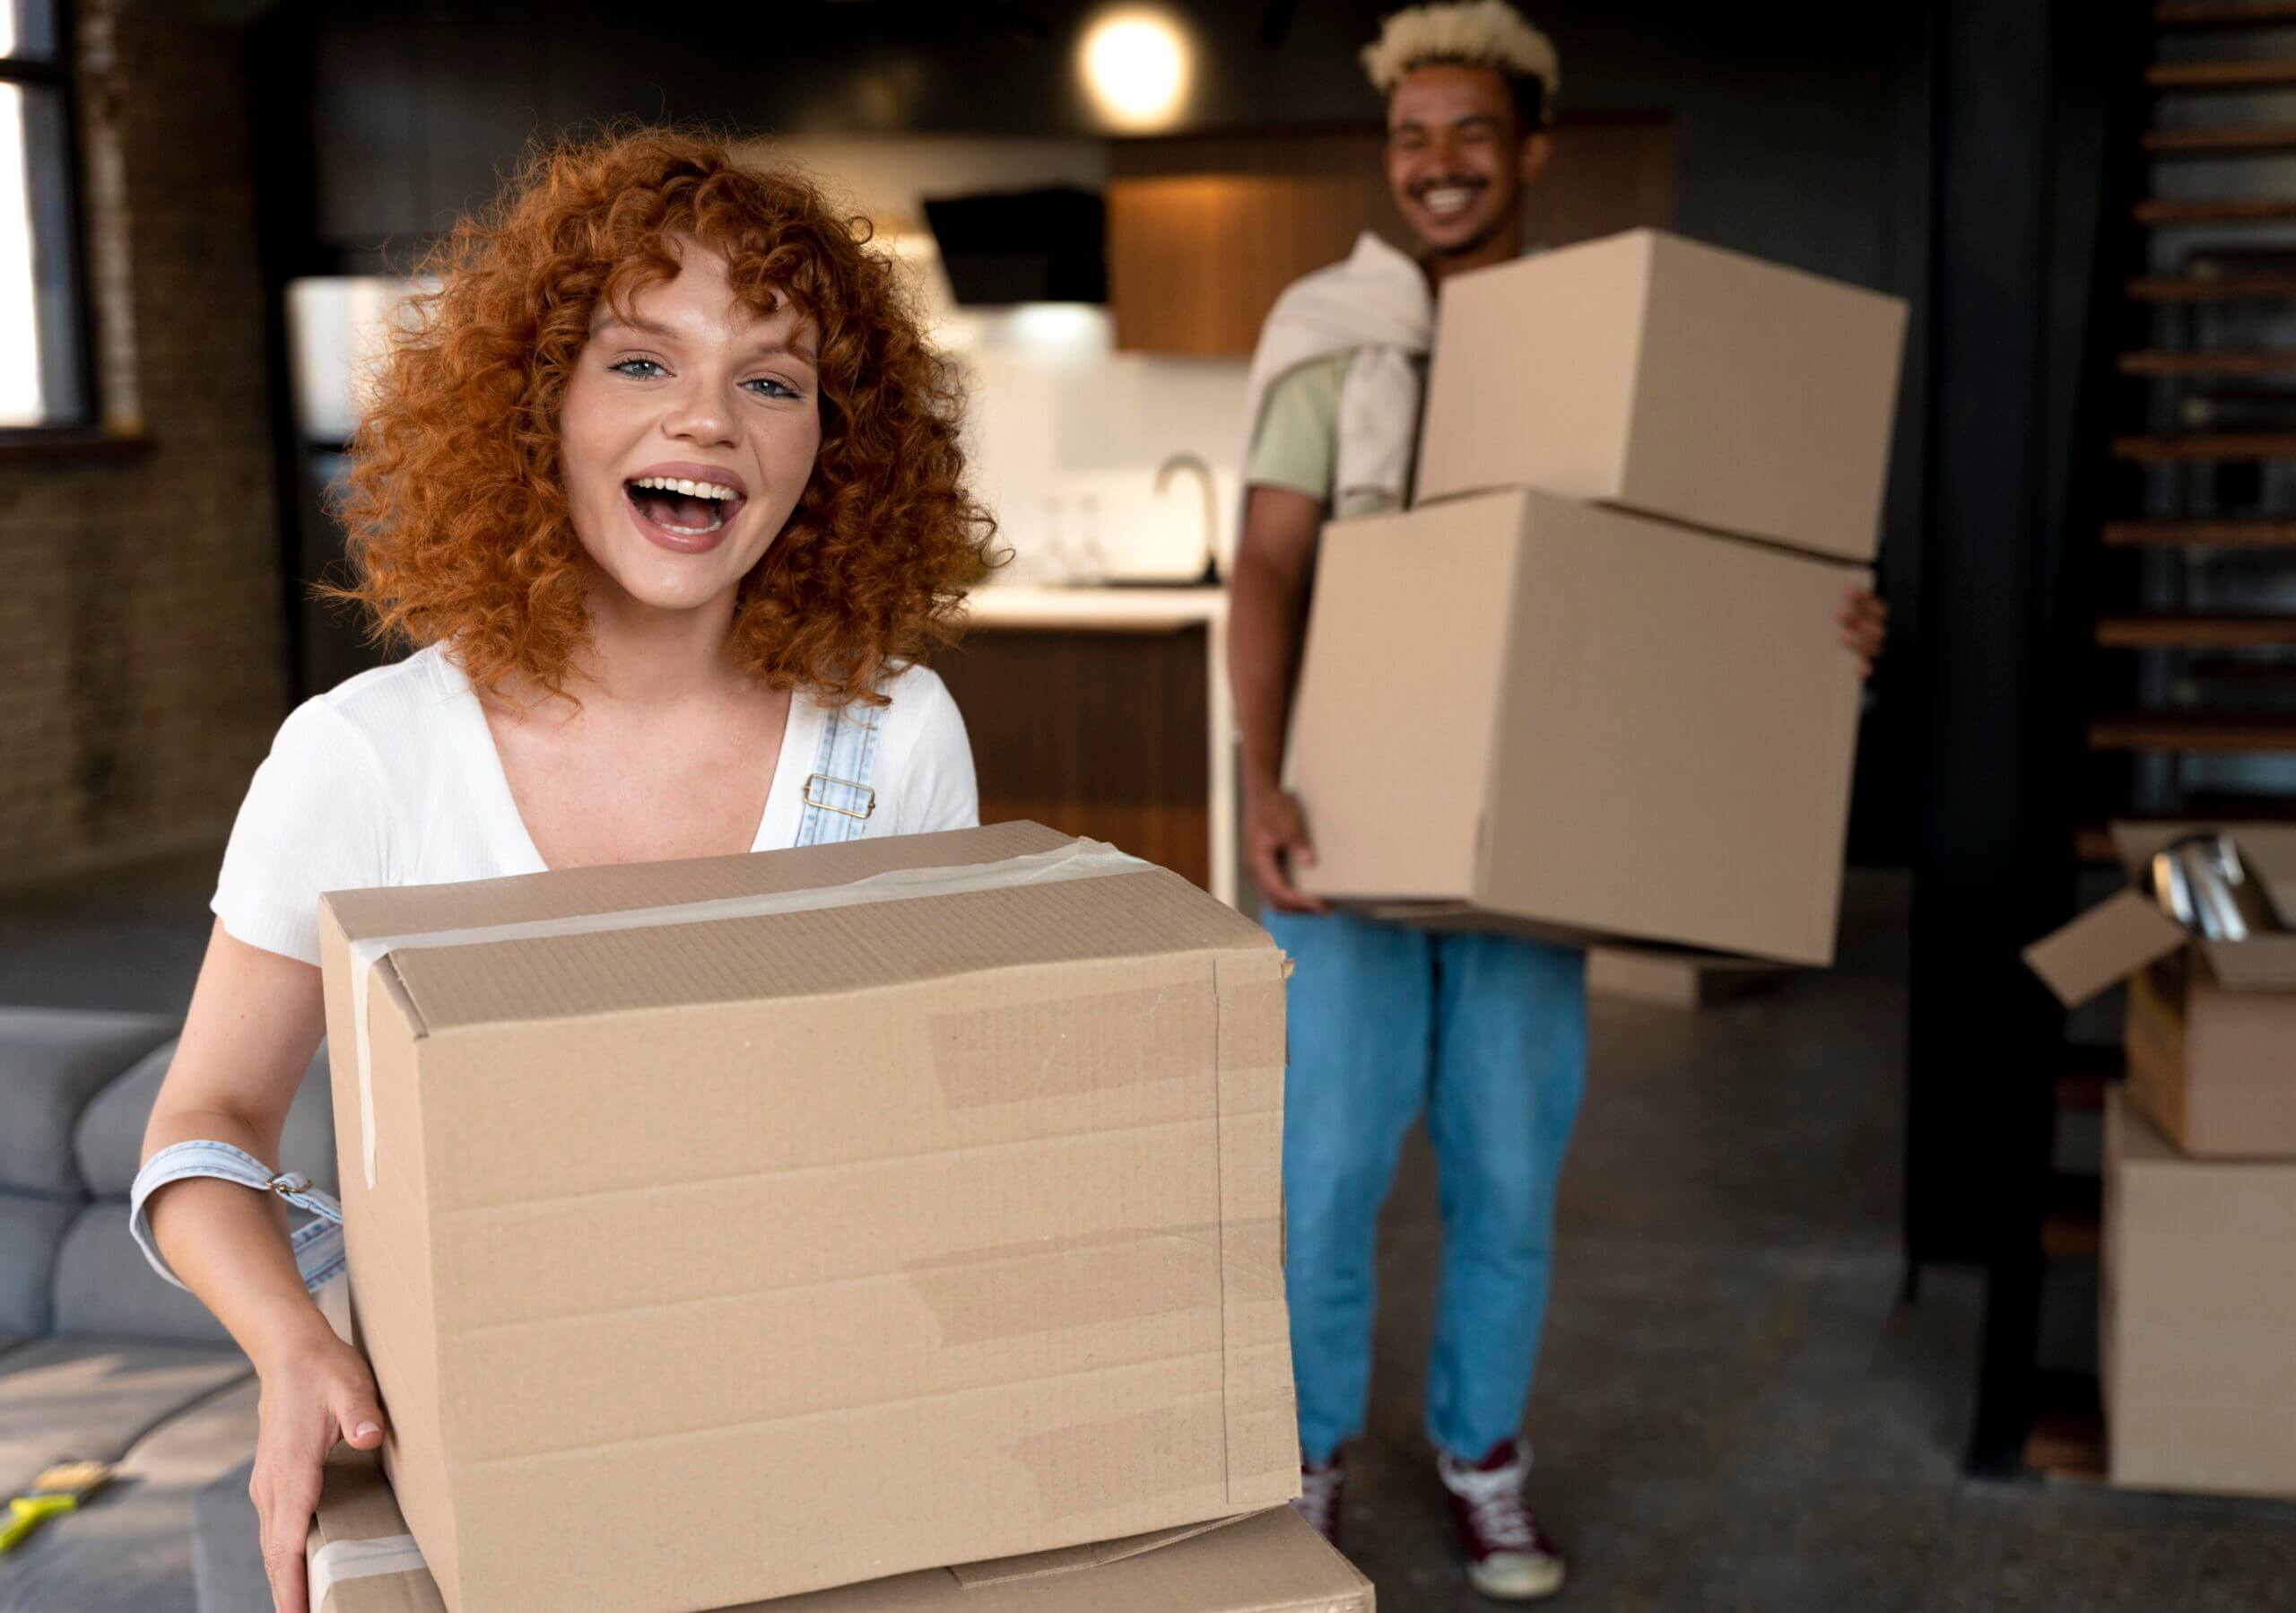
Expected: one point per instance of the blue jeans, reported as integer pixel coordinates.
(1487, 1034)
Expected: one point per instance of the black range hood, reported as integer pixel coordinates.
(1047, 245)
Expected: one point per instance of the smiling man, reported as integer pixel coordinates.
(1486, 1034)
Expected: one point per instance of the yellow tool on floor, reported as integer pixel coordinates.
(60, 1489)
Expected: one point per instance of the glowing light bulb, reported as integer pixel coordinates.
(1136, 65)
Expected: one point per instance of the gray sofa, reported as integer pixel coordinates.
(99, 1357)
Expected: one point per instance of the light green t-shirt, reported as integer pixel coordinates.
(1298, 443)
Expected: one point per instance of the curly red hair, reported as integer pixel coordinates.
(457, 513)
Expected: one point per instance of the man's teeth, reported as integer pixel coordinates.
(692, 490)
(1445, 201)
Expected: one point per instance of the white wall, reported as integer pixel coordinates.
(1066, 434)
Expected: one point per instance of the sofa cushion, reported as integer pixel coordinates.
(62, 1399)
(105, 1288)
(109, 1142)
(52, 1062)
(131, 1550)
(32, 1236)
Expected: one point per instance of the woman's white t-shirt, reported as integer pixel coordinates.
(392, 778)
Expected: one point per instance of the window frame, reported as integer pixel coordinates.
(59, 75)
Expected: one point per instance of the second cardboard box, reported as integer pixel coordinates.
(1522, 709)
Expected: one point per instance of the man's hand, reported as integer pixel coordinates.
(1865, 624)
(1275, 841)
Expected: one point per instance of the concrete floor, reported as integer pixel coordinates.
(1734, 1410)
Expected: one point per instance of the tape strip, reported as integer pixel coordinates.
(340, 1560)
(1078, 859)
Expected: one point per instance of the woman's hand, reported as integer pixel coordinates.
(1275, 841)
(314, 1394)
(1865, 624)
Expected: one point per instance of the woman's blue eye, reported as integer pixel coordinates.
(627, 366)
(779, 390)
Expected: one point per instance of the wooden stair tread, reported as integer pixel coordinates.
(2231, 140)
(2224, 14)
(2158, 210)
(2094, 842)
(2222, 361)
(2074, 1222)
(2211, 288)
(2164, 629)
(2253, 532)
(2162, 448)
(2247, 732)
(2266, 72)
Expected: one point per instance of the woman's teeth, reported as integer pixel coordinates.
(692, 490)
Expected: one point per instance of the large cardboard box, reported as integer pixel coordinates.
(1522, 709)
(724, 1229)
(2211, 1025)
(361, 1560)
(2199, 1307)
(1670, 378)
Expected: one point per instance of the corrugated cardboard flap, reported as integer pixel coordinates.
(1040, 1564)
(2104, 946)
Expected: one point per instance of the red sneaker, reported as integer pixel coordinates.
(1508, 1556)
(1322, 1486)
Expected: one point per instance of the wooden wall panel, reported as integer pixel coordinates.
(1096, 733)
(1204, 232)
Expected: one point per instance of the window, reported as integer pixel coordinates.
(43, 358)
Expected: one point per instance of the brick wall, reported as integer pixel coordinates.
(141, 676)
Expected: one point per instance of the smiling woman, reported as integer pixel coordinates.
(663, 482)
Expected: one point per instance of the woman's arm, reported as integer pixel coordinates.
(255, 1019)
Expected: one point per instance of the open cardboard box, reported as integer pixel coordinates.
(2198, 1307)
(1520, 711)
(2212, 1024)
(727, 1229)
(363, 1560)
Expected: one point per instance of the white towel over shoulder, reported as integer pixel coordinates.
(1376, 304)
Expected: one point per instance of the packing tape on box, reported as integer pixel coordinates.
(1078, 859)
(340, 1560)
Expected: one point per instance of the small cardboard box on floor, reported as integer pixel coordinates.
(727, 1229)
(2198, 1310)
(361, 1560)
(2211, 1025)
(1591, 684)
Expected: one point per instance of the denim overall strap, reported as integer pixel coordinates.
(318, 1244)
(839, 798)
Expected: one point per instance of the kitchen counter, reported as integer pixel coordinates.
(1115, 609)
(998, 608)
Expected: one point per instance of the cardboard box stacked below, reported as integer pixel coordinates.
(727, 1229)
(2199, 1291)
(2199, 1305)
(361, 1560)
(1591, 686)
(1519, 707)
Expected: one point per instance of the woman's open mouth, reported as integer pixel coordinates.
(688, 516)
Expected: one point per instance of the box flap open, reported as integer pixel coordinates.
(2104, 946)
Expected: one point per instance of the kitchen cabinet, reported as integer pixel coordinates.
(1103, 711)
(1203, 231)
